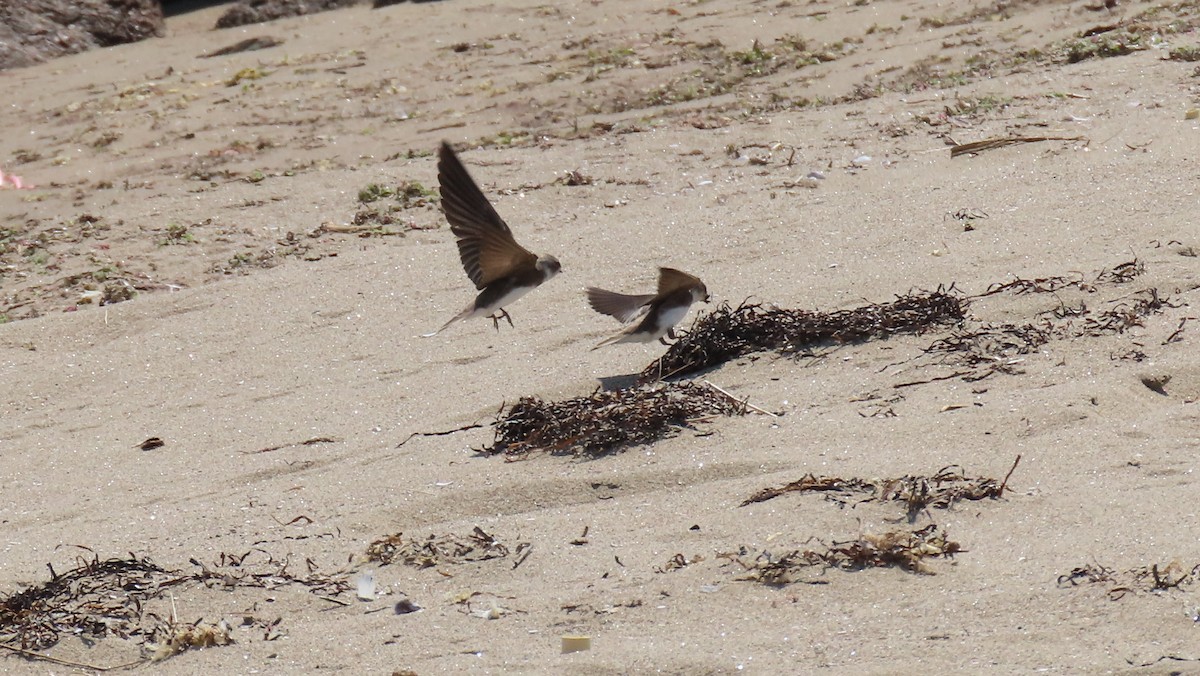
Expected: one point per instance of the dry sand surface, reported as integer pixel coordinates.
(196, 264)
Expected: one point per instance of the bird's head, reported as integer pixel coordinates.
(548, 265)
(700, 292)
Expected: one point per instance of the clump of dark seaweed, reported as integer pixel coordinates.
(607, 421)
(111, 597)
(728, 332)
(95, 599)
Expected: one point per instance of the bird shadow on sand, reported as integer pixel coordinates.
(622, 382)
(630, 380)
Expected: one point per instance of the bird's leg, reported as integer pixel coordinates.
(495, 317)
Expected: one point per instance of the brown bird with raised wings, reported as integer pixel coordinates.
(659, 312)
(501, 269)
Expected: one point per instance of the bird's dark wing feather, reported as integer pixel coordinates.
(624, 307)
(485, 243)
(671, 280)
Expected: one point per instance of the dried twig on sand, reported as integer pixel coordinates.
(1004, 141)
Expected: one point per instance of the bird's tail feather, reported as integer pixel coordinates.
(456, 318)
(610, 340)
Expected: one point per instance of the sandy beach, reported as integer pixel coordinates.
(236, 256)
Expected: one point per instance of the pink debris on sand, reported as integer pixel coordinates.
(13, 180)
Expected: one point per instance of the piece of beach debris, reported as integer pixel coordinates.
(259, 568)
(1144, 579)
(1001, 348)
(406, 606)
(176, 639)
(524, 549)
(366, 586)
(728, 332)
(493, 611)
(438, 549)
(108, 598)
(14, 181)
(151, 444)
(607, 421)
(902, 549)
(1120, 274)
(1090, 574)
(976, 147)
(93, 600)
(678, 562)
(941, 490)
(247, 45)
(243, 75)
(582, 539)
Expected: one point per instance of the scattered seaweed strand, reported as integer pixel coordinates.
(745, 403)
(29, 654)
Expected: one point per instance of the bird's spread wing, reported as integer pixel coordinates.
(485, 243)
(671, 280)
(624, 307)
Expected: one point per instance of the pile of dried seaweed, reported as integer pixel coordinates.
(607, 421)
(727, 333)
(903, 549)
(434, 550)
(98, 598)
(941, 491)
(94, 600)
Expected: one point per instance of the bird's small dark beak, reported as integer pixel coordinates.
(707, 297)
